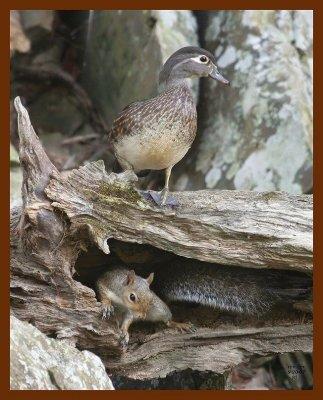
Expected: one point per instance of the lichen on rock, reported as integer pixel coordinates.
(38, 362)
(257, 134)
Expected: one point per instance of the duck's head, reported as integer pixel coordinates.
(190, 62)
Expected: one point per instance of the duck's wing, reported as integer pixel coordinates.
(125, 120)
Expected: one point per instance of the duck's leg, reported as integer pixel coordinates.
(165, 191)
(163, 198)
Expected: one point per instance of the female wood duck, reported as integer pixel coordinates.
(157, 133)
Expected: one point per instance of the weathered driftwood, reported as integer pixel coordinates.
(228, 227)
(160, 355)
(62, 215)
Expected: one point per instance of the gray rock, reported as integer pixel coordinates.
(56, 110)
(53, 106)
(15, 177)
(14, 157)
(15, 186)
(18, 39)
(125, 52)
(38, 362)
(38, 26)
(37, 18)
(257, 134)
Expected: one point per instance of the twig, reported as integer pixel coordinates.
(80, 139)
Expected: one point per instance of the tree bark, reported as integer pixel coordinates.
(63, 215)
(160, 355)
(242, 228)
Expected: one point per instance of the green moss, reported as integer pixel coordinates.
(274, 195)
(119, 191)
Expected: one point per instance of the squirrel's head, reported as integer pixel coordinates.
(137, 295)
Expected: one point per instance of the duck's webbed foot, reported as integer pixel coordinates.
(162, 198)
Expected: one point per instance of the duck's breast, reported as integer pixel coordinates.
(159, 134)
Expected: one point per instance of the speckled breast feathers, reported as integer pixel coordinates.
(156, 133)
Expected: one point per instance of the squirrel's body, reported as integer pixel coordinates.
(237, 289)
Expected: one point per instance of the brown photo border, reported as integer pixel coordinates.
(317, 392)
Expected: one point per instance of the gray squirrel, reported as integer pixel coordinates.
(241, 290)
(129, 293)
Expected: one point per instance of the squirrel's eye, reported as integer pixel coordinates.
(203, 59)
(132, 297)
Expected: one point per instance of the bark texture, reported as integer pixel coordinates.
(159, 356)
(271, 229)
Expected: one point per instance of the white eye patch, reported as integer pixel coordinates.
(201, 59)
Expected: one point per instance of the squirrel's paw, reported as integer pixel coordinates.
(124, 339)
(190, 328)
(182, 326)
(107, 311)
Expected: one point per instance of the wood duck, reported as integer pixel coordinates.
(155, 134)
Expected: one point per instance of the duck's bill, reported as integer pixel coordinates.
(215, 74)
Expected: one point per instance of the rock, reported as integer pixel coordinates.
(18, 39)
(58, 154)
(38, 26)
(56, 110)
(53, 106)
(15, 177)
(38, 362)
(37, 18)
(14, 157)
(256, 134)
(15, 186)
(125, 52)
(44, 48)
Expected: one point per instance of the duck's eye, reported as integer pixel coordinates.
(132, 297)
(203, 59)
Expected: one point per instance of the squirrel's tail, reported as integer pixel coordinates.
(242, 290)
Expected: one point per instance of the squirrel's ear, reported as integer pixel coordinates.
(130, 277)
(150, 278)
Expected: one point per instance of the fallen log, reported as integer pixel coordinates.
(243, 228)
(159, 357)
(64, 214)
